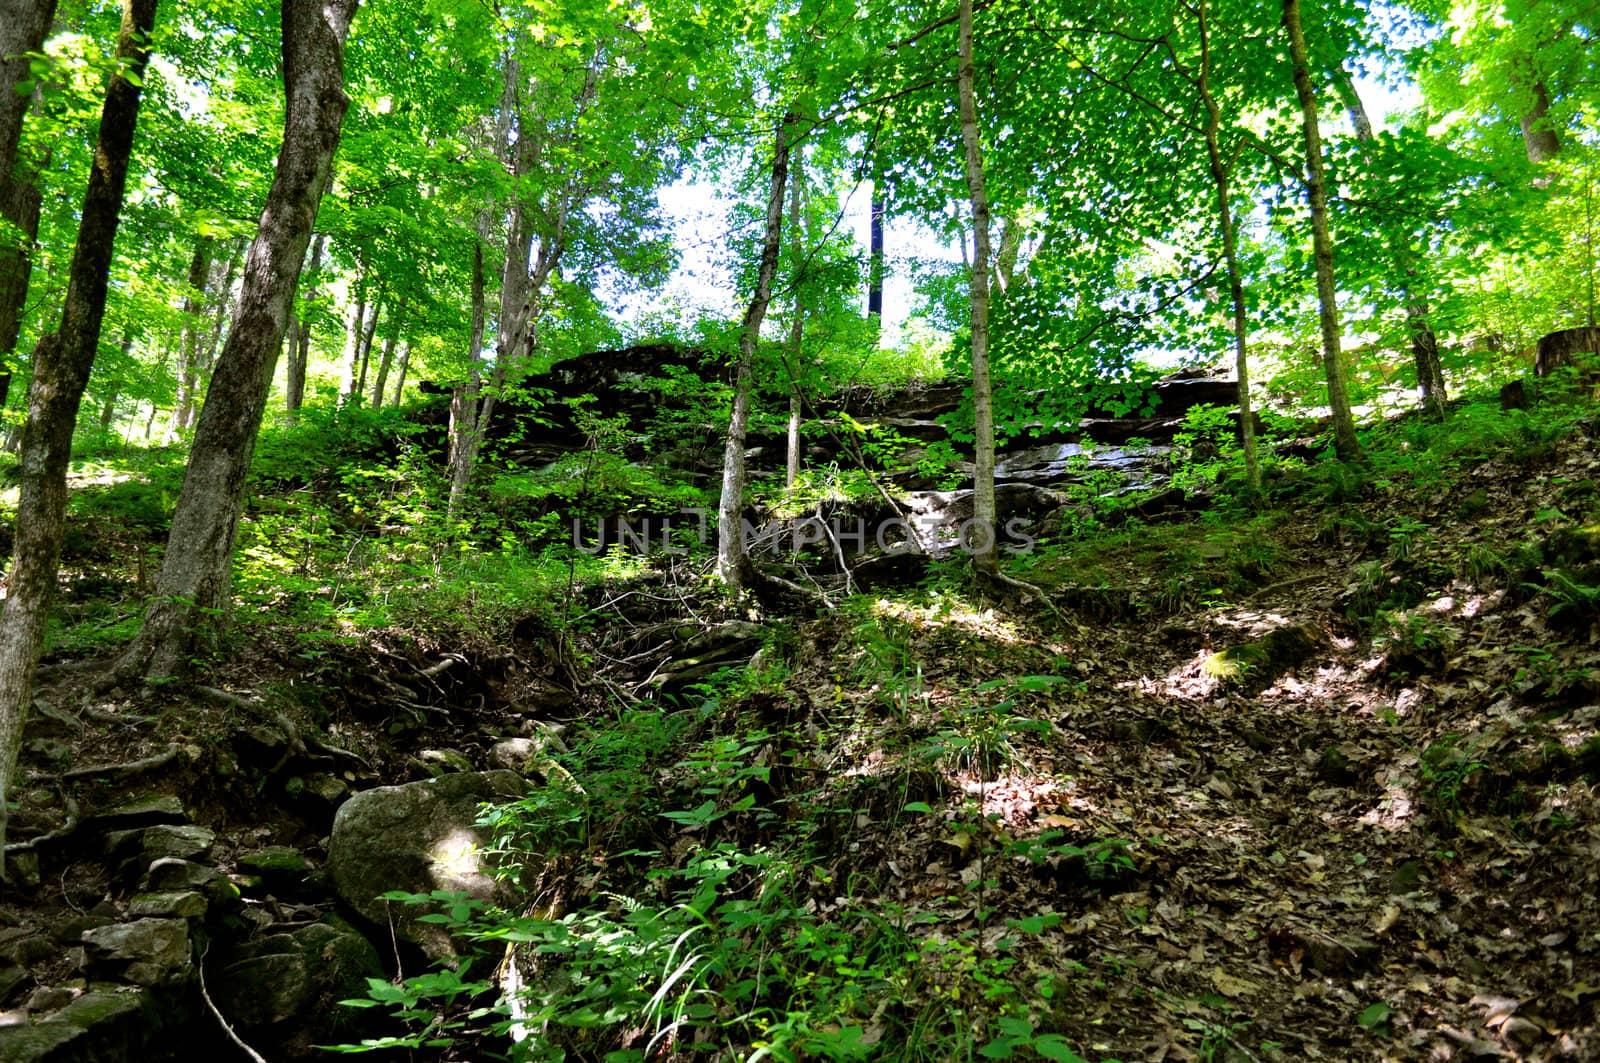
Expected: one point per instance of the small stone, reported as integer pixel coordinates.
(147, 810)
(48, 998)
(1522, 1034)
(23, 867)
(274, 862)
(47, 752)
(71, 931)
(28, 950)
(444, 761)
(133, 851)
(147, 952)
(329, 789)
(516, 754)
(178, 904)
(10, 978)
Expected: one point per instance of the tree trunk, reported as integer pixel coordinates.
(192, 589)
(1424, 344)
(1360, 121)
(24, 24)
(387, 360)
(300, 338)
(464, 399)
(108, 410)
(220, 321)
(1221, 179)
(875, 255)
(1539, 137)
(61, 365)
(400, 372)
(1345, 442)
(1005, 262)
(352, 343)
(194, 304)
(733, 562)
(983, 539)
(366, 346)
(797, 327)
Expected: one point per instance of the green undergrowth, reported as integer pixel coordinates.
(715, 910)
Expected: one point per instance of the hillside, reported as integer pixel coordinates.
(1305, 779)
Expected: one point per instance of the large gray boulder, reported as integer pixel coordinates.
(418, 837)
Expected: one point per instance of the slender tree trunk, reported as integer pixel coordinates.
(797, 327)
(352, 343)
(384, 363)
(464, 399)
(1005, 261)
(875, 251)
(400, 373)
(366, 345)
(224, 296)
(192, 590)
(1345, 442)
(733, 562)
(1539, 137)
(194, 304)
(984, 540)
(24, 24)
(61, 365)
(1360, 121)
(300, 337)
(108, 409)
(1220, 178)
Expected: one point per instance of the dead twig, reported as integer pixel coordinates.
(200, 967)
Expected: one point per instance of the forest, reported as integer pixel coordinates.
(799, 530)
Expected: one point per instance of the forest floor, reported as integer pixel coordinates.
(1314, 782)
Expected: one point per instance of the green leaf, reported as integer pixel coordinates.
(1054, 1046)
(1374, 1016)
(918, 806)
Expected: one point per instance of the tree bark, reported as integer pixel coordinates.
(400, 372)
(366, 346)
(797, 327)
(61, 365)
(983, 542)
(220, 320)
(194, 304)
(300, 338)
(464, 399)
(1221, 179)
(352, 343)
(192, 590)
(384, 364)
(1345, 442)
(733, 561)
(875, 254)
(1539, 137)
(24, 24)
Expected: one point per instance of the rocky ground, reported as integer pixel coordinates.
(1325, 791)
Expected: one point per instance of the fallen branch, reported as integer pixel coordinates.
(200, 966)
(132, 767)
